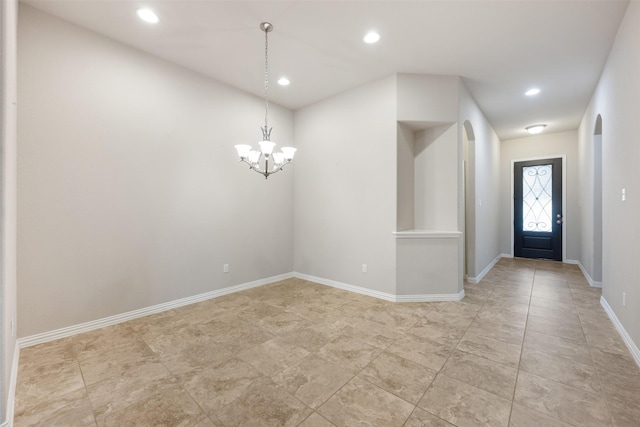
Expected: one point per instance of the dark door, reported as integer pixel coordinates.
(537, 209)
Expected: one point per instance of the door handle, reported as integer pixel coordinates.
(560, 219)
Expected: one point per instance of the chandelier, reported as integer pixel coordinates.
(259, 160)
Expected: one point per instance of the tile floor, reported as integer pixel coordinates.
(528, 346)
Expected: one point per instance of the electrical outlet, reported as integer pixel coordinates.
(624, 194)
(13, 329)
(364, 268)
(225, 268)
(624, 299)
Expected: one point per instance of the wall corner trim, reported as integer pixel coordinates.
(124, 317)
(633, 348)
(484, 272)
(11, 394)
(381, 295)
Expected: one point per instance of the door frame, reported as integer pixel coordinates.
(565, 207)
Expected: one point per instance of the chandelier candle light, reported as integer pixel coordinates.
(246, 153)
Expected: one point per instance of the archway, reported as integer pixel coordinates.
(597, 201)
(468, 147)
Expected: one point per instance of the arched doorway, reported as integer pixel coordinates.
(597, 201)
(468, 147)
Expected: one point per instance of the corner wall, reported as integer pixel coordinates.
(345, 187)
(130, 193)
(617, 100)
(8, 146)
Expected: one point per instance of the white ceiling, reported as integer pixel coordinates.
(500, 47)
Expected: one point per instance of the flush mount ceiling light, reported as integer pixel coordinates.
(147, 15)
(371, 37)
(532, 91)
(259, 160)
(535, 129)
(283, 81)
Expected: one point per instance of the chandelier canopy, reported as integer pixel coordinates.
(259, 160)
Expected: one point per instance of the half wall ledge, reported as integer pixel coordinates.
(428, 263)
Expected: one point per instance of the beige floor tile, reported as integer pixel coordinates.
(568, 329)
(422, 418)
(164, 323)
(569, 372)
(313, 380)
(556, 346)
(264, 404)
(107, 365)
(492, 349)
(396, 318)
(560, 401)
(171, 407)
(553, 304)
(283, 323)
(198, 352)
(557, 315)
(399, 376)
(375, 334)
(553, 293)
(608, 362)
(483, 373)
(521, 416)
(436, 332)
(425, 352)
(312, 312)
(316, 420)
(498, 330)
(273, 356)
(49, 353)
(499, 314)
(311, 338)
(43, 381)
(349, 352)
(455, 324)
(217, 386)
(464, 405)
(72, 408)
(362, 403)
(116, 393)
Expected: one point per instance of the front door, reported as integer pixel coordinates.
(537, 209)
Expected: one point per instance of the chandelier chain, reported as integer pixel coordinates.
(266, 78)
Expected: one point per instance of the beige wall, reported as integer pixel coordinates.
(8, 111)
(550, 145)
(484, 214)
(617, 100)
(130, 193)
(345, 187)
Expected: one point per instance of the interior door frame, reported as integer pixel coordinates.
(565, 207)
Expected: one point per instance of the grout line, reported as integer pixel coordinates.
(515, 386)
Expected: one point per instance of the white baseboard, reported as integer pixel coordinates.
(506, 255)
(633, 348)
(484, 272)
(592, 283)
(381, 295)
(124, 317)
(11, 393)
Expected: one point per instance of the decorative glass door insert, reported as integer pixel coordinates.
(537, 205)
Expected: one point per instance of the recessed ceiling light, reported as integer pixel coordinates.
(534, 129)
(147, 15)
(533, 91)
(371, 37)
(283, 81)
